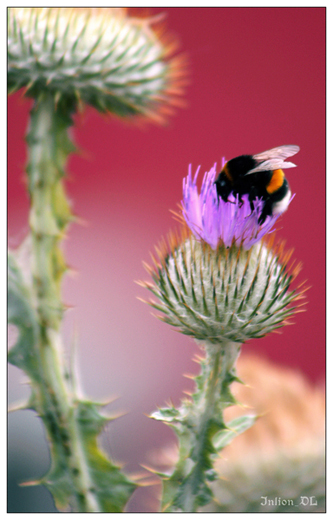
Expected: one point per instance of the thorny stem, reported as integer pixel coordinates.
(49, 215)
(220, 361)
(209, 399)
(207, 406)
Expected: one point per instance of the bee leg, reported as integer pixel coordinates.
(221, 192)
(252, 207)
(225, 199)
(253, 194)
(262, 218)
(240, 200)
(266, 212)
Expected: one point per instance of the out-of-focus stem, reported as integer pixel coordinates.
(49, 215)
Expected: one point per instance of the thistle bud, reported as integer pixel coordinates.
(100, 56)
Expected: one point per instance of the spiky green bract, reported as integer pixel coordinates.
(199, 425)
(99, 56)
(81, 477)
(227, 294)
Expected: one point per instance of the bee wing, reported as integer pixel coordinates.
(272, 164)
(274, 159)
(281, 152)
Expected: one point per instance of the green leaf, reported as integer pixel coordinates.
(21, 313)
(112, 487)
(234, 428)
(166, 414)
(107, 486)
(103, 482)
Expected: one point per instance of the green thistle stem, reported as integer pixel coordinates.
(48, 149)
(81, 477)
(196, 424)
(58, 412)
(219, 364)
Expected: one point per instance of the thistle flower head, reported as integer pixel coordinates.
(100, 56)
(215, 221)
(220, 279)
(227, 294)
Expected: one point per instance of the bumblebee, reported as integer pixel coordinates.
(259, 176)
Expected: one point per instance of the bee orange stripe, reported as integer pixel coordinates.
(276, 181)
(226, 172)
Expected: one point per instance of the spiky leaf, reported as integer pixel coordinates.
(234, 428)
(201, 430)
(107, 486)
(21, 313)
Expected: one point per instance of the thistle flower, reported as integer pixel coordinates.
(100, 56)
(220, 281)
(214, 221)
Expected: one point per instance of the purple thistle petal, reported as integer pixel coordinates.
(215, 221)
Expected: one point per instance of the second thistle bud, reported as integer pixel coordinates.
(100, 56)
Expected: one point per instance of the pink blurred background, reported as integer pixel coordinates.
(257, 80)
